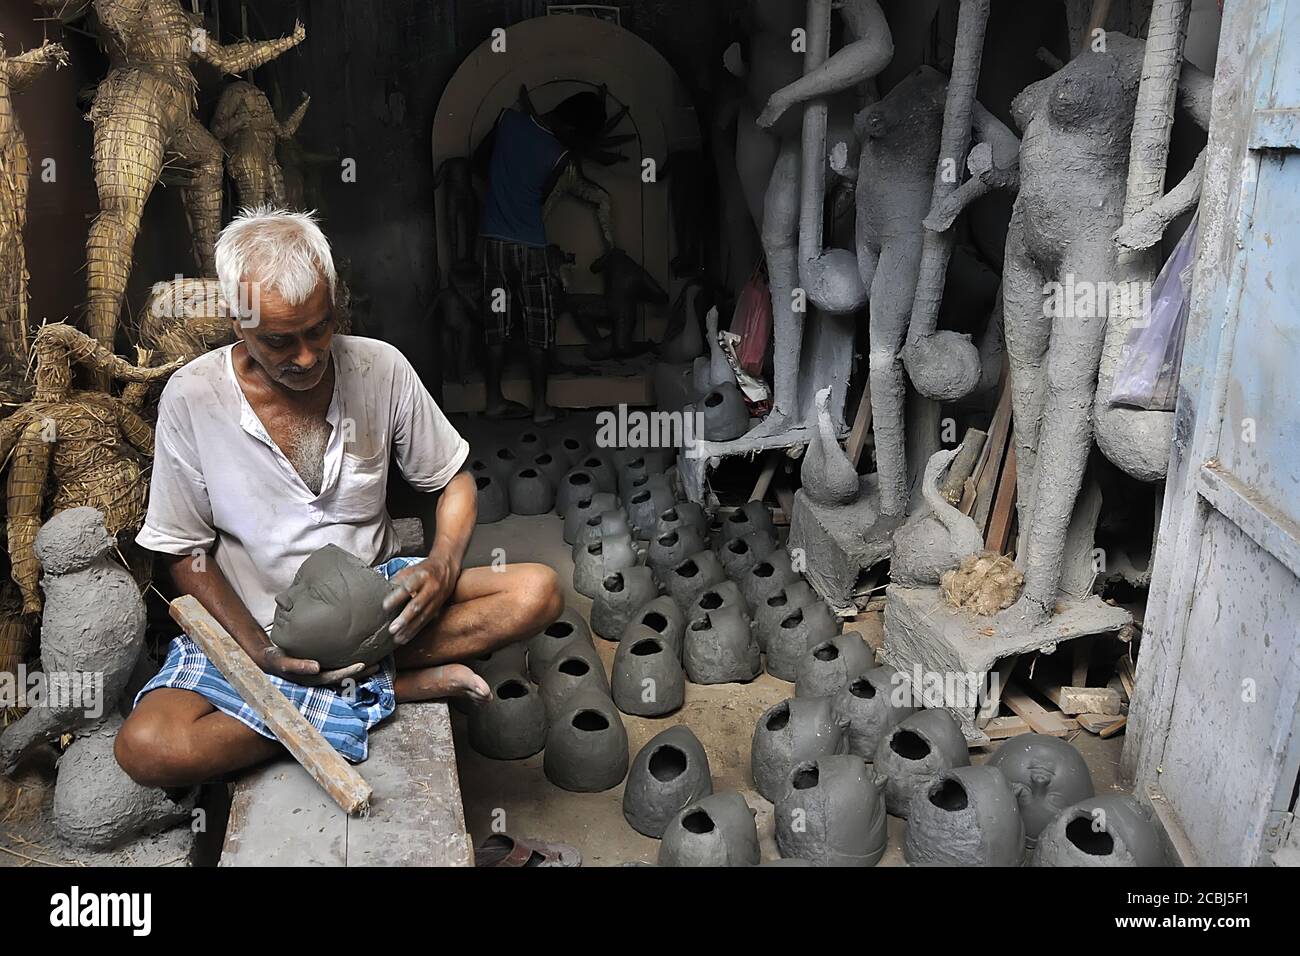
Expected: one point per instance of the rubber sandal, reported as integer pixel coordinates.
(501, 850)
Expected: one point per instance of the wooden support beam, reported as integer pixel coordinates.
(771, 458)
(1084, 700)
(1004, 508)
(963, 466)
(861, 423)
(347, 787)
(1081, 647)
(1038, 717)
(989, 470)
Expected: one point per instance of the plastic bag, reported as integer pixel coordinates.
(1153, 353)
(752, 321)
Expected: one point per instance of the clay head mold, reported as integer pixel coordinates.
(1109, 830)
(752, 516)
(1046, 774)
(797, 632)
(832, 814)
(543, 646)
(797, 729)
(719, 648)
(672, 548)
(578, 484)
(583, 510)
(914, 753)
(966, 816)
(586, 745)
(682, 513)
(687, 579)
(767, 577)
(671, 771)
(646, 500)
(621, 595)
(828, 666)
(661, 617)
(596, 559)
(611, 521)
(493, 504)
(647, 678)
(530, 492)
(717, 830)
(874, 702)
(511, 725)
(576, 667)
(741, 553)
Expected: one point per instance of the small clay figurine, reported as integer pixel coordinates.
(911, 755)
(669, 772)
(964, 817)
(334, 611)
(92, 625)
(1046, 774)
(798, 729)
(833, 813)
(1109, 830)
(717, 830)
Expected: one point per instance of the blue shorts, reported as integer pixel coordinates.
(344, 721)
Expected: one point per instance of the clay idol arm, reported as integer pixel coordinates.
(1146, 228)
(994, 163)
(27, 67)
(239, 57)
(851, 64)
(1195, 91)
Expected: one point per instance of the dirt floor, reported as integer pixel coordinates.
(517, 796)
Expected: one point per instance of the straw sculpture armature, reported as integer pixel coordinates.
(15, 173)
(66, 448)
(143, 113)
(15, 638)
(246, 126)
(184, 318)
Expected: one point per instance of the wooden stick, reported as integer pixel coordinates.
(1004, 508)
(861, 422)
(347, 787)
(995, 448)
(963, 466)
(772, 459)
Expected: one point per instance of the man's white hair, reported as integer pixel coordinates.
(280, 250)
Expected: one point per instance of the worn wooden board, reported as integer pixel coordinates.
(279, 817)
(1038, 717)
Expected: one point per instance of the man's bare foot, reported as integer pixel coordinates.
(442, 682)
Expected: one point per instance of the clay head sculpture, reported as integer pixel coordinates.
(671, 771)
(720, 649)
(647, 499)
(647, 677)
(576, 667)
(511, 725)
(543, 647)
(530, 492)
(688, 579)
(1046, 774)
(593, 516)
(724, 595)
(798, 729)
(622, 594)
(334, 611)
(832, 814)
(679, 514)
(797, 631)
(670, 549)
(493, 502)
(717, 830)
(964, 817)
(1109, 830)
(911, 755)
(662, 618)
(595, 560)
(828, 666)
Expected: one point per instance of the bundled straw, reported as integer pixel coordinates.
(246, 126)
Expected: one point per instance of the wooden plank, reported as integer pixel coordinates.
(1038, 717)
(1000, 728)
(1096, 723)
(861, 422)
(1084, 700)
(1114, 728)
(995, 450)
(290, 727)
(963, 466)
(1081, 648)
(279, 817)
(771, 458)
(1004, 508)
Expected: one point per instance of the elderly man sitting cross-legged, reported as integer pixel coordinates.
(272, 448)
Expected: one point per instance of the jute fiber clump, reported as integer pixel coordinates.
(67, 448)
(984, 583)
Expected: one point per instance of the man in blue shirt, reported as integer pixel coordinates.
(527, 154)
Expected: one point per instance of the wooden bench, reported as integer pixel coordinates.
(279, 816)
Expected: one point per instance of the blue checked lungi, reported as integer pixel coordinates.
(344, 723)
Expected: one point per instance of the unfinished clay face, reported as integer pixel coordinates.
(578, 520)
(799, 630)
(663, 618)
(647, 677)
(767, 577)
(832, 814)
(586, 745)
(828, 666)
(717, 830)
(720, 649)
(530, 492)
(578, 485)
(875, 702)
(592, 562)
(671, 771)
(671, 549)
(964, 817)
(543, 647)
(334, 612)
(688, 579)
(97, 806)
(647, 500)
(935, 539)
(1046, 774)
(493, 504)
(93, 622)
(512, 725)
(740, 554)
(911, 755)
(798, 729)
(1109, 830)
(622, 594)
(576, 667)
(827, 475)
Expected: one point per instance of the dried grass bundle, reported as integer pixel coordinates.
(984, 583)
